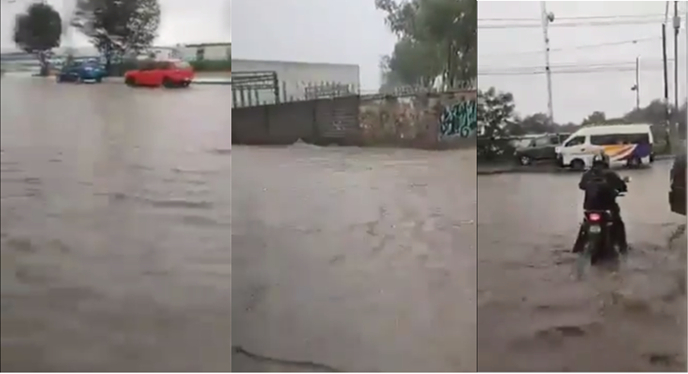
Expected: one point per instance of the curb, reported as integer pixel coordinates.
(512, 169)
(225, 82)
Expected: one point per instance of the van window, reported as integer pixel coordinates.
(611, 139)
(642, 138)
(578, 140)
(606, 139)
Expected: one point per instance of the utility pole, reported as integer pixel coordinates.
(667, 121)
(546, 19)
(677, 28)
(636, 88)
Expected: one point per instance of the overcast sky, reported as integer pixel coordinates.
(182, 21)
(333, 31)
(507, 50)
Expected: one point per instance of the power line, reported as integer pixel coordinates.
(565, 49)
(590, 64)
(571, 71)
(573, 24)
(620, 16)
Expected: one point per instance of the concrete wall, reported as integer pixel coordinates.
(295, 77)
(444, 120)
(431, 121)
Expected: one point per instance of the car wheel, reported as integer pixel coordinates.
(577, 164)
(129, 81)
(168, 83)
(525, 160)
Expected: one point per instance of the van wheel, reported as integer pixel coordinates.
(633, 162)
(167, 83)
(130, 82)
(577, 164)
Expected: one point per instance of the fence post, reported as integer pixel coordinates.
(284, 90)
(275, 87)
(242, 96)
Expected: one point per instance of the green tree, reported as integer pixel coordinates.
(38, 31)
(594, 118)
(409, 65)
(495, 111)
(441, 31)
(118, 27)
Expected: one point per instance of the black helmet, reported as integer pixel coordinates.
(600, 160)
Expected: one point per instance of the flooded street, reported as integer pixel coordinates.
(533, 316)
(115, 227)
(356, 259)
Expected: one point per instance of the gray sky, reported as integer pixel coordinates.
(502, 50)
(330, 31)
(182, 21)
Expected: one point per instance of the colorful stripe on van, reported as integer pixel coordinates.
(627, 151)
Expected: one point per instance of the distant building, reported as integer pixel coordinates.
(301, 80)
(205, 51)
(190, 52)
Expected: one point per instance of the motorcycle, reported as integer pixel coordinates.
(600, 242)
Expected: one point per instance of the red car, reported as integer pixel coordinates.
(172, 73)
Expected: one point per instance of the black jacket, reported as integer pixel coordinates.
(601, 187)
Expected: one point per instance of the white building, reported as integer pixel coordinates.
(190, 52)
(205, 51)
(296, 77)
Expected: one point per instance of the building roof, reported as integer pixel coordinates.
(222, 44)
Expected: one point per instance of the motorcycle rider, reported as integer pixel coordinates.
(601, 186)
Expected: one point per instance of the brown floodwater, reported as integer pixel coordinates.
(115, 227)
(533, 315)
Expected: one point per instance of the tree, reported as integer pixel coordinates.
(409, 65)
(118, 27)
(595, 118)
(38, 31)
(495, 111)
(444, 30)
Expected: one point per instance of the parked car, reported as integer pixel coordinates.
(86, 71)
(169, 73)
(538, 148)
(677, 191)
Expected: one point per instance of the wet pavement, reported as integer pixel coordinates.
(355, 259)
(532, 313)
(115, 227)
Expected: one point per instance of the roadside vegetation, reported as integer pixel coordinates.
(436, 43)
(116, 28)
(38, 31)
(501, 123)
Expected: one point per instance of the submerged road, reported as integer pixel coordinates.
(115, 227)
(533, 316)
(357, 259)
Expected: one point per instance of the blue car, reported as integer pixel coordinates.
(81, 72)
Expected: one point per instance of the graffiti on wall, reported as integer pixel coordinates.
(460, 119)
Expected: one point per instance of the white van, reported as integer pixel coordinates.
(627, 145)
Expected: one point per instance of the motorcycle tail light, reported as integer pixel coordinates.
(594, 217)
